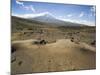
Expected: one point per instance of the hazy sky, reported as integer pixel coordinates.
(76, 13)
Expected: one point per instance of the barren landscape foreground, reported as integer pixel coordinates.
(46, 47)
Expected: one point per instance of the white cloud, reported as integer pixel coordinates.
(81, 14)
(32, 8)
(88, 22)
(32, 15)
(80, 21)
(69, 15)
(29, 7)
(20, 3)
(93, 11)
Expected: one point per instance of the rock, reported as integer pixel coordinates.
(13, 60)
(72, 39)
(93, 43)
(19, 63)
(13, 49)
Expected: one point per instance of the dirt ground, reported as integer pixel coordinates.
(62, 55)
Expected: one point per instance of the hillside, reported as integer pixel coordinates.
(30, 29)
(64, 48)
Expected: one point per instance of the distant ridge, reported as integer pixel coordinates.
(47, 18)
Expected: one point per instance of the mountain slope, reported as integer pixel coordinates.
(47, 18)
(50, 19)
(19, 24)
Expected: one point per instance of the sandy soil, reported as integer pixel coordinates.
(62, 55)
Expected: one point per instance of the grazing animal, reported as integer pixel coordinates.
(41, 42)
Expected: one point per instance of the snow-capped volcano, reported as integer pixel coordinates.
(47, 17)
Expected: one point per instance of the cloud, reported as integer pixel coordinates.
(29, 7)
(93, 11)
(89, 23)
(81, 14)
(20, 3)
(32, 8)
(93, 8)
(69, 15)
(32, 15)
